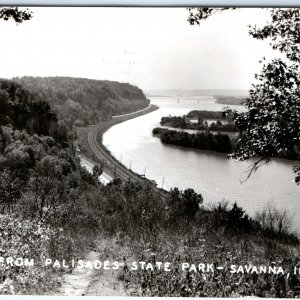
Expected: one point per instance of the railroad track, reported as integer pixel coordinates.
(121, 172)
(101, 153)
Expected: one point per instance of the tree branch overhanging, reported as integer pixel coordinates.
(14, 13)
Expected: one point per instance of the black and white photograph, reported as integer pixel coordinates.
(150, 151)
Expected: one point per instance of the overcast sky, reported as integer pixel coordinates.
(154, 48)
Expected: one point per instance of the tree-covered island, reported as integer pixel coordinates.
(213, 130)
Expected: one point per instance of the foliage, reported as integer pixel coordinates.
(7, 13)
(43, 183)
(271, 125)
(209, 115)
(273, 220)
(176, 122)
(234, 220)
(190, 283)
(226, 237)
(183, 123)
(135, 210)
(219, 142)
(22, 110)
(80, 102)
(197, 14)
(24, 239)
(183, 206)
(283, 32)
(97, 170)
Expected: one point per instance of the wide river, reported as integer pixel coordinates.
(207, 172)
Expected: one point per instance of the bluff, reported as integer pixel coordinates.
(80, 101)
(23, 110)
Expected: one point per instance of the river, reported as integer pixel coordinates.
(207, 172)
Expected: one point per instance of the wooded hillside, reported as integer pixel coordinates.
(81, 102)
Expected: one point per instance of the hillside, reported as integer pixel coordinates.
(24, 111)
(81, 102)
(41, 185)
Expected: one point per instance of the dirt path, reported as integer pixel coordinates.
(77, 283)
(106, 284)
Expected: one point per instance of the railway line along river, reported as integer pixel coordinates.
(211, 174)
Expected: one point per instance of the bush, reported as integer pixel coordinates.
(24, 240)
(273, 220)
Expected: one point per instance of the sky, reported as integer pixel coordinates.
(153, 48)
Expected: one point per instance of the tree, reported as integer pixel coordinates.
(16, 159)
(271, 125)
(97, 171)
(46, 189)
(7, 13)
(274, 220)
(237, 221)
(183, 205)
(200, 121)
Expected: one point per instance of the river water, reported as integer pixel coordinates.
(207, 172)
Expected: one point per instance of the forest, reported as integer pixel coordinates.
(81, 102)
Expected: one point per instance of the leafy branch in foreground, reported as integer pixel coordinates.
(7, 13)
(284, 32)
(197, 14)
(271, 125)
